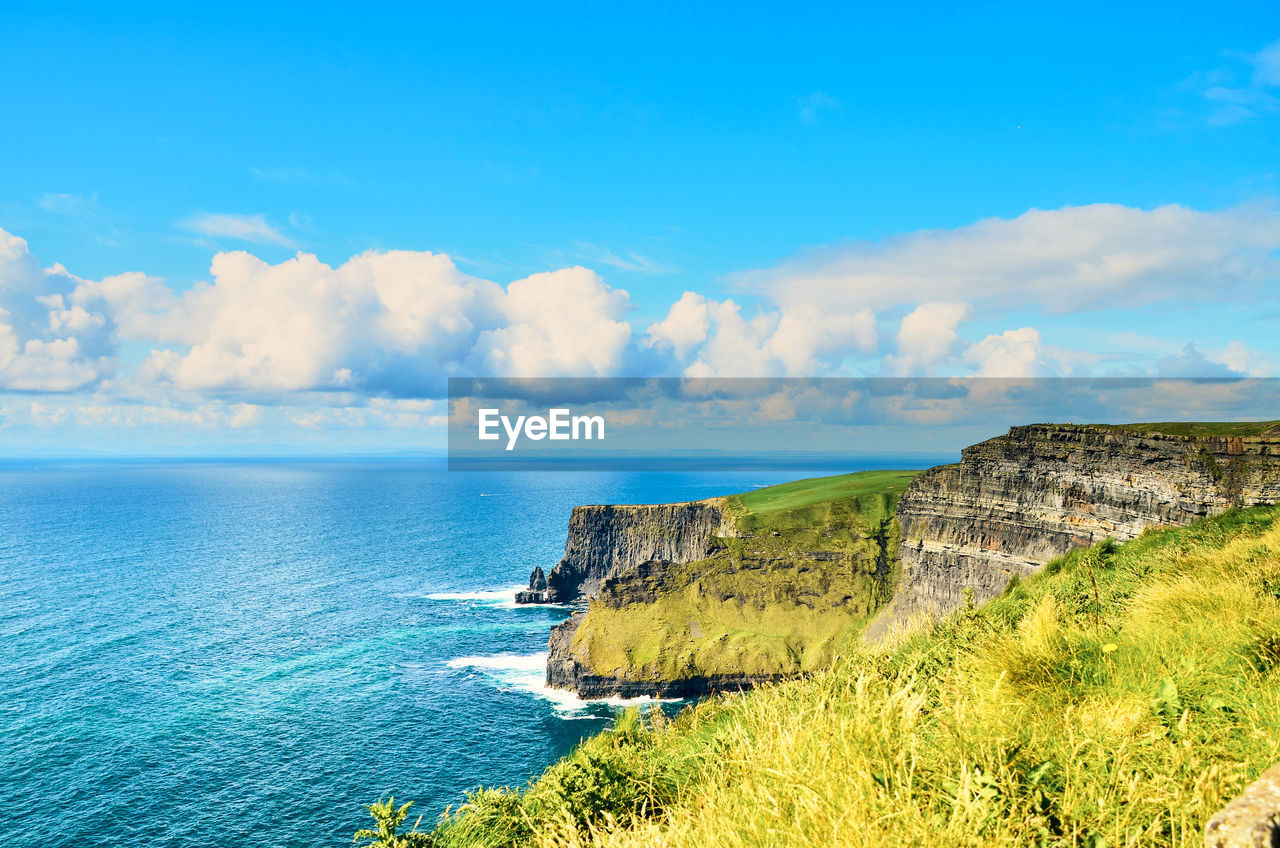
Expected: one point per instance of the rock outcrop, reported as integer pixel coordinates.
(1018, 500)
(1251, 820)
(537, 591)
(605, 541)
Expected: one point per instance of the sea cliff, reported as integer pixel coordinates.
(732, 592)
(1014, 502)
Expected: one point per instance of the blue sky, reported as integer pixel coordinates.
(747, 189)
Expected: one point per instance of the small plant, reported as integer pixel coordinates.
(389, 818)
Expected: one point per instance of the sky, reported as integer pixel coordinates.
(235, 229)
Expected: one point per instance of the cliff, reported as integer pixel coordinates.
(732, 592)
(605, 541)
(1016, 501)
(743, 590)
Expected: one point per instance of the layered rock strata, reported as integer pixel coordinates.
(1016, 501)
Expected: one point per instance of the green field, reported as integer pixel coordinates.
(1118, 698)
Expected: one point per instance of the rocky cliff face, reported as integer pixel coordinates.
(1016, 501)
(605, 541)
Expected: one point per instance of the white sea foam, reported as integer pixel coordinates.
(497, 598)
(527, 672)
(493, 597)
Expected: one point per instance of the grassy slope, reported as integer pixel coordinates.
(1118, 698)
(760, 605)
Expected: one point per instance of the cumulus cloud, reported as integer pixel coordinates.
(51, 338)
(1013, 353)
(712, 338)
(1074, 258)
(557, 323)
(1242, 360)
(397, 322)
(392, 323)
(1191, 362)
(926, 337)
(255, 229)
(380, 321)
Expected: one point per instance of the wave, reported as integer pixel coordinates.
(497, 598)
(500, 598)
(527, 672)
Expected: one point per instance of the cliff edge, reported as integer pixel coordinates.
(1018, 500)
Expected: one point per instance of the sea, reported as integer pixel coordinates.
(225, 653)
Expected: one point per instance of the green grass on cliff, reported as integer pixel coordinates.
(1202, 429)
(761, 604)
(1118, 698)
(870, 486)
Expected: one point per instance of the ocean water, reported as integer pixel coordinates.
(223, 654)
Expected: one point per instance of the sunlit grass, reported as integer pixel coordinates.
(1119, 698)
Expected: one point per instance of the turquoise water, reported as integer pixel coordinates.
(223, 654)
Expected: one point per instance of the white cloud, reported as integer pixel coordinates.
(712, 338)
(50, 341)
(1190, 362)
(251, 228)
(1242, 360)
(1069, 259)
(685, 327)
(395, 324)
(1013, 353)
(381, 321)
(926, 337)
(557, 323)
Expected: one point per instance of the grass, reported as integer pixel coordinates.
(1202, 429)
(812, 562)
(800, 493)
(1118, 698)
